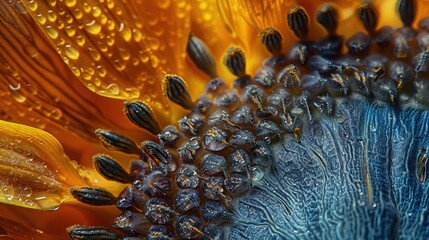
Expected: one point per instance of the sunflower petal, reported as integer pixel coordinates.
(36, 88)
(34, 171)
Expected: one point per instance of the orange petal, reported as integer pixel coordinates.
(34, 171)
(37, 88)
(117, 49)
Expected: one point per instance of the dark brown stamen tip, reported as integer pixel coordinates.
(272, 39)
(174, 87)
(115, 141)
(235, 61)
(155, 152)
(81, 232)
(110, 169)
(297, 20)
(327, 16)
(407, 11)
(142, 116)
(93, 196)
(368, 17)
(201, 56)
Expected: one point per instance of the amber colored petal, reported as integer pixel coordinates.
(23, 223)
(34, 171)
(118, 49)
(37, 88)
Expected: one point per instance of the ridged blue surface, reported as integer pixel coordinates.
(353, 176)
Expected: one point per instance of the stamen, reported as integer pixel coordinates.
(115, 141)
(235, 61)
(110, 169)
(327, 16)
(272, 39)
(80, 232)
(93, 196)
(155, 152)
(201, 56)
(368, 17)
(297, 20)
(174, 87)
(407, 11)
(142, 116)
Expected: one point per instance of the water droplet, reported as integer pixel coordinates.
(71, 52)
(70, 3)
(41, 18)
(27, 191)
(256, 173)
(93, 27)
(31, 51)
(163, 4)
(52, 32)
(32, 5)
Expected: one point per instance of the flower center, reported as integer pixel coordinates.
(188, 184)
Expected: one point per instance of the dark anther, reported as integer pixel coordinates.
(214, 139)
(253, 94)
(158, 211)
(168, 136)
(125, 198)
(421, 90)
(114, 141)
(227, 98)
(156, 184)
(358, 43)
(322, 65)
(239, 161)
(299, 53)
(368, 17)
(187, 199)
(192, 124)
(158, 232)
(188, 227)
(272, 39)
(155, 152)
(264, 76)
(263, 155)
(235, 61)
(93, 196)
(421, 62)
(385, 90)
(215, 85)
(174, 87)
(81, 232)
(187, 177)
(237, 184)
(213, 164)
(213, 188)
(290, 77)
(202, 104)
(337, 84)
(290, 122)
(267, 130)
(242, 139)
(297, 20)
(188, 149)
(407, 11)
(327, 16)
(201, 56)
(325, 104)
(400, 72)
(243, 117)
(131, 222)
(110, 169)
(280, 98)
(141, 115)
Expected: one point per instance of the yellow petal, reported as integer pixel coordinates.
(37, 88)
(117, 49)
(34, 171)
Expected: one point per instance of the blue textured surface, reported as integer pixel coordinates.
(353, 176)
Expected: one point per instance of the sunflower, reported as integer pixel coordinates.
(217, 119)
